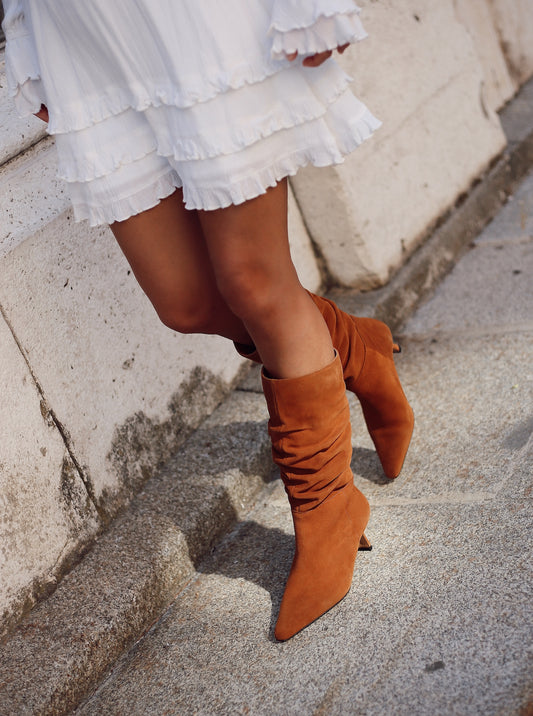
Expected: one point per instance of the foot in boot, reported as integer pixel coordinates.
(311, 443)
(365, 348)
(327, 540)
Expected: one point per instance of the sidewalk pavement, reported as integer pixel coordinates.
(438, 620)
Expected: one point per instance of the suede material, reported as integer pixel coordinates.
(327, 540)
(311, 443)
(388, 415)
(310, 431)
(364, 346)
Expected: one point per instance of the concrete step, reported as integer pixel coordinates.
(68, 643)
(137, 567)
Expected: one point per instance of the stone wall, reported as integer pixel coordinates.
(96, 393)
(434, 72)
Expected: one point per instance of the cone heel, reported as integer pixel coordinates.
(364, 544)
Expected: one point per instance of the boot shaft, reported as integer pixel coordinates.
(310, 431)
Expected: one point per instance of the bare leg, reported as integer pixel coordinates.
(166, 250)
(249, 250)
(309, 421)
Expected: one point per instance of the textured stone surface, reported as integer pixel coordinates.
(415, 633)
(514, 22)
(516, 118)
(492, 273)
(126, 388)
(30, 195)
(515, 222)
(137, 567)
(46, 514)
(432, 261)
(436, 138)
(477, 17)
(493, 284)
(469, 395)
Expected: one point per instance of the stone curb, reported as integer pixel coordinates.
(68, 642)
(65, 646)
(438, 253)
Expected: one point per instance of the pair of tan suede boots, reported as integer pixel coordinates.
(309, 427)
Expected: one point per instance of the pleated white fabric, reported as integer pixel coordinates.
(148, 95)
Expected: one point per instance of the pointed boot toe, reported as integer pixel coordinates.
(327, 540)
(391, 443)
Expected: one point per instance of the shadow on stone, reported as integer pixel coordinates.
(262, 555)
(141, 444)
(137, 567)
(365, 463)
(519, 435)
(210, 483)
(257, 554)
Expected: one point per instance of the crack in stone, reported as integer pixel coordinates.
(49, 415)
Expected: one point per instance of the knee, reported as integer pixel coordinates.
(251, 292)
(186, 316)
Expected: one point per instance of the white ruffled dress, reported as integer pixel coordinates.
(148, 95)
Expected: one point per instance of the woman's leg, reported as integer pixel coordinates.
(166, 250)
(309, 421)
(249, 250)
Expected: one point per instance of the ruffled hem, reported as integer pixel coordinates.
(29, 97)
(288, 15)
(327, 33)
(172, 132)
(73, 118)
(122, 209)
(220, 182)
(249, 187)
(23, 74)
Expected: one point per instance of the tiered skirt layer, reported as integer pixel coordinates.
(146, 96)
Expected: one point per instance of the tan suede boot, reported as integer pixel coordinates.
(366, 348)
(311, 443)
